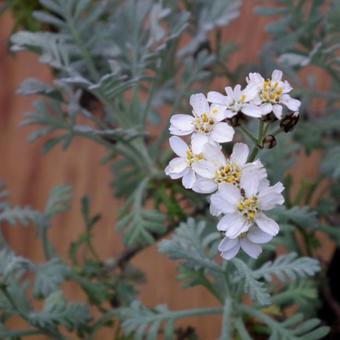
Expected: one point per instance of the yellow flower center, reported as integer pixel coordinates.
(230, 173)
(248, 207)
(203, 123)
(271, 93)
(191, 158)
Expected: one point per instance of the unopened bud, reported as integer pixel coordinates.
(268, 142)
(270, 117)
(235, 121)
(289, 121)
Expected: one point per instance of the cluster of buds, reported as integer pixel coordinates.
(238, 188)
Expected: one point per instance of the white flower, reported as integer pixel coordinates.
(237, 100)
(181, 166)
(272, 94)
(250, 242)
(205, 124)
(244, 208)
(215, 169)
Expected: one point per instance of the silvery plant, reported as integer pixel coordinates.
(205, 170)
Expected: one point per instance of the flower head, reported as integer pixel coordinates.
(244, 208)
(214, 169)
(205, 124)
(181, 166)
(272, 94)
(237, 100)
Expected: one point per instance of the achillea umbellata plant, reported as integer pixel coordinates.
(117, 66)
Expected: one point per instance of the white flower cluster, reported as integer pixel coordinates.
(240, 191)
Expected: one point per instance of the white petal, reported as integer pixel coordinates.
(264, 184)
(228, 255)
(251, 110)
(230, 114)
(214, 154)
(266, 224)
(230, 193)
(218, 112)
(230, 93)
(205, 168)
(233, 222)
(291, 103)
(286, 87)
(227, 244)
(254, 78)
(240, 154)
(218, 98)
(188, 179)
(255, 169)
(266, 108)
(178, 146)
(176, 166)
(249, 182)
(233, 225)
(237, 92)
(253, 250)
(219, 205)
(256, 235)
(198, 140)
(277, 109)
(199, 104)
(277, 75)
(222, 133)
(250, 92)
(181, 125)
(204, 186)
(269, 197)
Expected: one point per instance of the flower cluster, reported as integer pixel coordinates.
(240, 192)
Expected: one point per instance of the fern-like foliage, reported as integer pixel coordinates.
(58, 201)
(138, 321)
(138, 224)
(56, 311)
(256, 289)
(288, 267)
(48, 277)
(193, 246)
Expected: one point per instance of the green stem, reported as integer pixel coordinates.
(47, 248)
(248, 133)
(258, 141)
(242, 330)
(92, 250)
(208, 285)
(226, 320)
(253, 154)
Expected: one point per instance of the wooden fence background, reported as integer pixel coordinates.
(29, 175)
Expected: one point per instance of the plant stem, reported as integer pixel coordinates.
(48, 252)
(258, 141)
(253, 154)
(248, 133)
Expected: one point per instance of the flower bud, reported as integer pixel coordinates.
(289, 121)
(270, 117)
(235, 121)
(268, 142)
